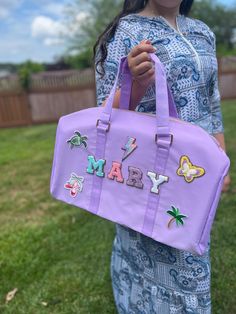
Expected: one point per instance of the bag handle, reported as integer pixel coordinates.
(162, 98)
(126, 85)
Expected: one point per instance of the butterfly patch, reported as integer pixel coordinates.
(188, 170)
(75, 184)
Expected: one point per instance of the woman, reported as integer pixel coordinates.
(147, 276)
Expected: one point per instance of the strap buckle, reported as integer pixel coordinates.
(107, 124)
(161, 136)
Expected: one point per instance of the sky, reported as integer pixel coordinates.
(32, 29)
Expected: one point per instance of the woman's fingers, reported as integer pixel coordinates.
(147, 76)
(145, 41)
(142, 68)
(140, 63)
(143, 47)
(142, 57)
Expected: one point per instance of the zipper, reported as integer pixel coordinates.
(182, 122)
(154, 115)
(185, 39)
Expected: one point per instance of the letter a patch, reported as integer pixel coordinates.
(116, 172)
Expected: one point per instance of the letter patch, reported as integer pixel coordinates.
(116, 172)
(188, 170)
(157, 180)
(96, 165)
(135, 177)
(75, 184)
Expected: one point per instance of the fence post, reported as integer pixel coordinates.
(29, 118)
(220, 70)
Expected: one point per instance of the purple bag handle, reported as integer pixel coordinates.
(163, 138)
(162, 96)
(126, 85)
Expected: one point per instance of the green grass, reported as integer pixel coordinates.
(59, 254)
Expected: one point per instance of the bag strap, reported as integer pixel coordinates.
(126, 86)
(162, 98)
(163, 140)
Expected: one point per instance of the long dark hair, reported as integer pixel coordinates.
(130, 6)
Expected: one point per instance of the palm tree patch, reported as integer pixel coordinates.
(176, 216)
(78, 140)
(188, 170)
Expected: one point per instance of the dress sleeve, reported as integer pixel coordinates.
(215, 99)
(118, 47)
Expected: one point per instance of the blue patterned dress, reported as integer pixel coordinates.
(149, 277)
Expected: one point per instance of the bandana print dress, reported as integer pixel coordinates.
(149, 277)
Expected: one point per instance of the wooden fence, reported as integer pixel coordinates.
(50, 95)
(227, 77)
(53, 94)
(14, 109)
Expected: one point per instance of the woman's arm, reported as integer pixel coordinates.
(217, 121)
(221, 139)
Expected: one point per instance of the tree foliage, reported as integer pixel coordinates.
(26, 69)
(99, 13)
(80, 60)
(220, 18)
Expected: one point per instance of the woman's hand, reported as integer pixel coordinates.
(140, 64)
(227, 182)
(142, 71)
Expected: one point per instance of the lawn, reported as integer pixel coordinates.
(58, 256)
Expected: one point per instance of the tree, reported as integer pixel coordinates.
(220, 18)
(26, 69)
(81, 60)
(86, 21)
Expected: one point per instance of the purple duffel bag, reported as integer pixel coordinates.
(155, 174)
